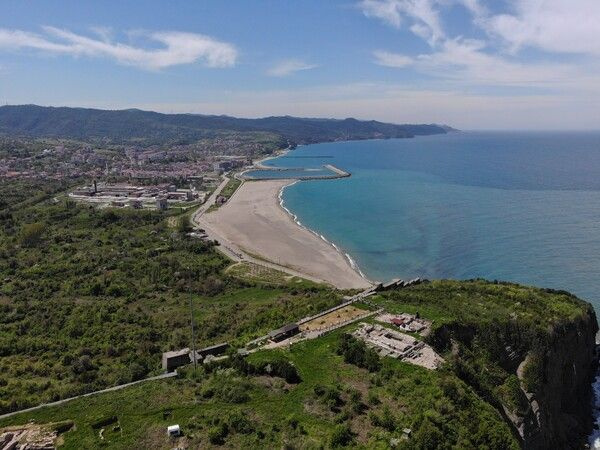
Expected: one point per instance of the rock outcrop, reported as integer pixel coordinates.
(560, 397)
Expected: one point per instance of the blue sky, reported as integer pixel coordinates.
(473, 64)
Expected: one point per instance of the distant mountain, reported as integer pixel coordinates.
(134, 124)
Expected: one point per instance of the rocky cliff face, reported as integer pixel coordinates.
(557, 381)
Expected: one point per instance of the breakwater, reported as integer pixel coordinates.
(327, 172)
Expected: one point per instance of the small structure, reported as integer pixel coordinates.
(407, 322)
(173, 360)
(220, 200)
(286, 331)
(162, 204)
(392, 343)
(173, 431)
(213, 350)
(136, 204)
(398, 322)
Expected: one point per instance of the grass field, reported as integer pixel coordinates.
(332, 395)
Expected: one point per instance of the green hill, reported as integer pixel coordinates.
(133, 124)
(91, 298)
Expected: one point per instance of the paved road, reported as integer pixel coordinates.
(110, 389)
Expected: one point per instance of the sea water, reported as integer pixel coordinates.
(516, 206)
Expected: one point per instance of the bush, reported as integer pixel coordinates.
(428, 436)
(342, 436)
(279, 368)
(533, 373)
(62, 427)
(218, 433)
(183, 224)
(385, 421)
(240, 423)
(137, 371)
(356, 352)
(31, 234)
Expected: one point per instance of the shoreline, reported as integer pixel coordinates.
(353, 265)
(255, 222)
(259, 165)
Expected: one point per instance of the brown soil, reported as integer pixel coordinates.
(333, 318)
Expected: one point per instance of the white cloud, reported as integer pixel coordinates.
(386, 11)
(466, 60)
(389, 59)
(474, 6)
(545, 24)
(422, 12)
(551, 25)
(178, 47)
(288, 67)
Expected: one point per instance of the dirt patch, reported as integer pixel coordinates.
(333, 318)
(39, 436)
(172, 222)
(362, 427)
(156, 438)
(274, 384)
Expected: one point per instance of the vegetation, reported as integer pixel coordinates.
(356, 352)
(231, 187)
(334, 404)
(487, 329)
(133, 125)
(91, 298)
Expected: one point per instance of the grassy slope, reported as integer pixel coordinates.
(440, 407)
(278, 413)
(97, 299)
(103, 293)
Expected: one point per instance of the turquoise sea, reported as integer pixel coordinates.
(518, 206)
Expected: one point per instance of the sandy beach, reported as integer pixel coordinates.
(255, 223)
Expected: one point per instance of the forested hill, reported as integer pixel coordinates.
(133, 124)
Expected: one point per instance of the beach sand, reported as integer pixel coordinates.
(255, 223)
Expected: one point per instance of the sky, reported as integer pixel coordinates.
(471, 64)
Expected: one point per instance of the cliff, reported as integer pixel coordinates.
(557, 381)
(535, 369)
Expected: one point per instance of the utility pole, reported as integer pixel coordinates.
(192, 324)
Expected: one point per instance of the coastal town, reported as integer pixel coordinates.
(70, 159)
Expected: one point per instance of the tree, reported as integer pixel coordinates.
(183, 224)
(31, 234)
(342, 436)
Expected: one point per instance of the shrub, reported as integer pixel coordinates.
(218, 433)
(137, 371)
(240, 423)
(428, 436)
(183, 224)
(341, 436)
(31, 234)
(356, 352)
(386, 420)
(533, 373)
